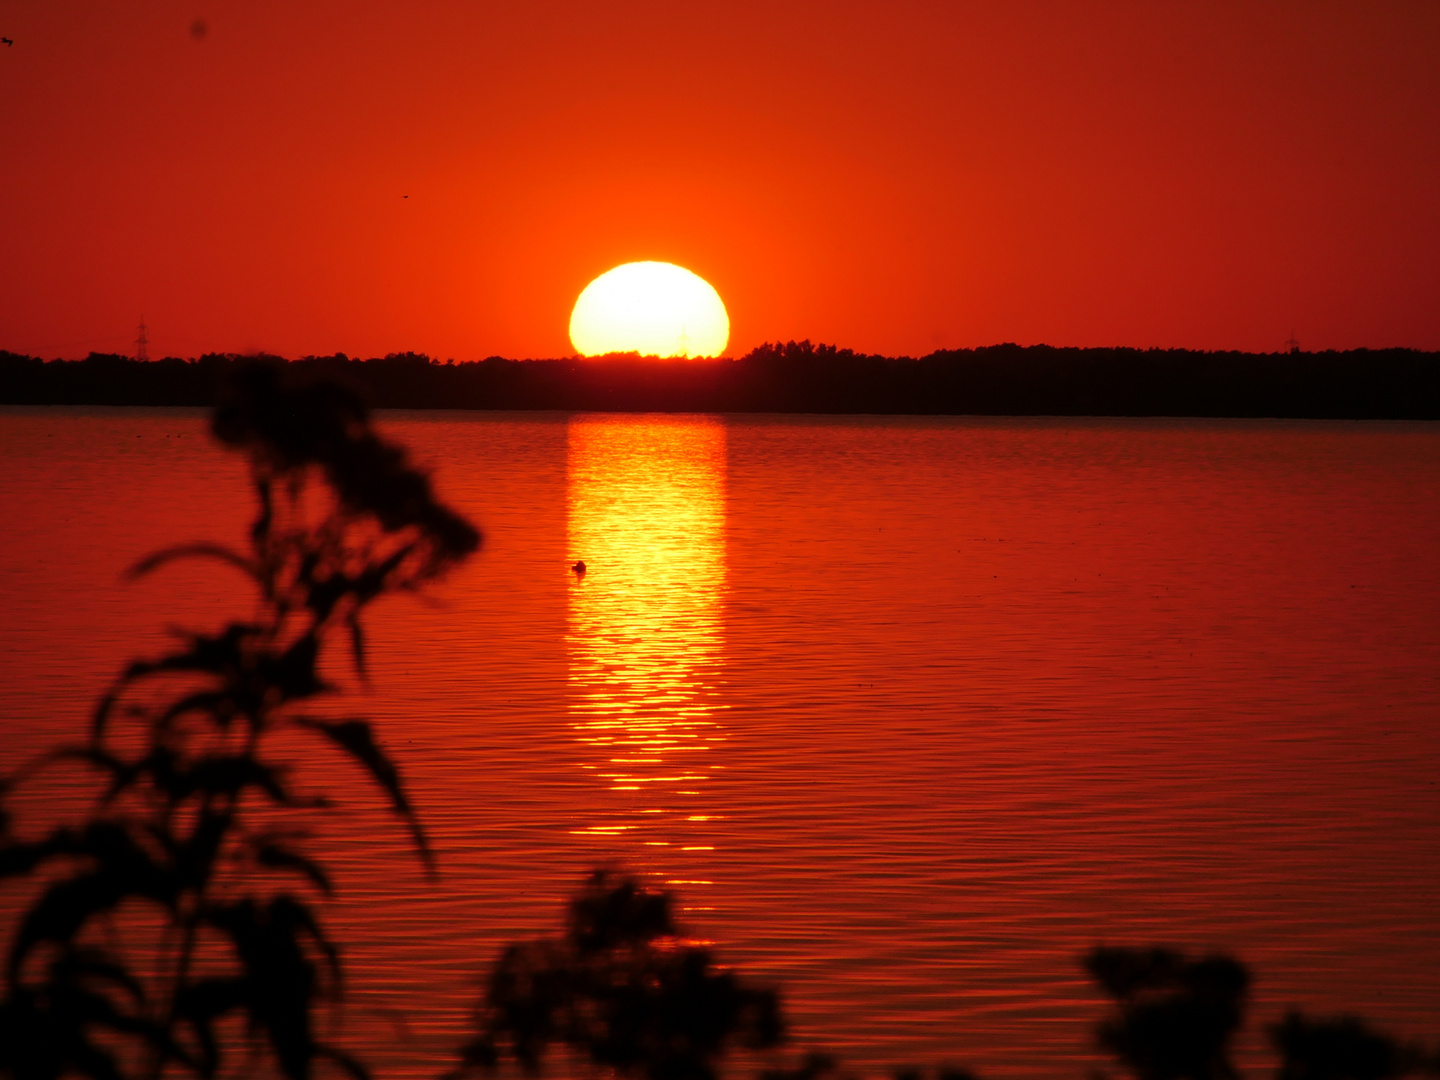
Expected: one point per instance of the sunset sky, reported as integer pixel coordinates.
(894, 177)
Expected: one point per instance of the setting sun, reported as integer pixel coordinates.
(651, 308)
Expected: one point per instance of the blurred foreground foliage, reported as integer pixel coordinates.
(177, 921)
(1175, 1017)
(625, 991)
(176, 926)
(624, 988)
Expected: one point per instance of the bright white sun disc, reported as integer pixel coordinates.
(650, 308)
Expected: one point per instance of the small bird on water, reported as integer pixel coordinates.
(579, 568)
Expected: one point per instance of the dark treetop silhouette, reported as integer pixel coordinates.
(1175, 1018)
(625, 989)
(195, 825)
(622, 988)
(799, 377)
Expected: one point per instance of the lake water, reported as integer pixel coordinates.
(910, 712)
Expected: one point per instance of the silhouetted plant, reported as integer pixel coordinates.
(1175, 1016)
(177, 918)
(1342, 1048)
(625, 989)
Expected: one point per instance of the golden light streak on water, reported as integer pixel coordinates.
(646, 514)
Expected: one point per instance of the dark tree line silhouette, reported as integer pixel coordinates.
(800, 377)
(175, 929)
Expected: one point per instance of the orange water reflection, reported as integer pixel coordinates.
(646, 513)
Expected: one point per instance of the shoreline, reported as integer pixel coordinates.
(801, 379)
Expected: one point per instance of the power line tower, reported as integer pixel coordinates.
(1292, 344)
(142, 343)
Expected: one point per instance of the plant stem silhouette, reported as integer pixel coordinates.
(177, 918)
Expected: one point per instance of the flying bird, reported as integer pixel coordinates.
(6, 41)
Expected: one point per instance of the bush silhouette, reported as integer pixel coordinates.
(185, 833)
(1175, 1016)
(1341, 1048)
(624, 989)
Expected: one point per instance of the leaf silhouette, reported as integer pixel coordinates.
(45, 1032)
(219, 552)
(199, 1004)
(124, 869)
(279, 981)
(277, 856)
(357, 646)
(357, 739)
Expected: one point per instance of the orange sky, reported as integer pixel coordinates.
(894, 177)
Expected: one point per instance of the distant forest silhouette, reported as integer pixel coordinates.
(799, 377)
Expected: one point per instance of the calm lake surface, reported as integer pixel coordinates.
(911, 712)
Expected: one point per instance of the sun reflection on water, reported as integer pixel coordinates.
(646, 514)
